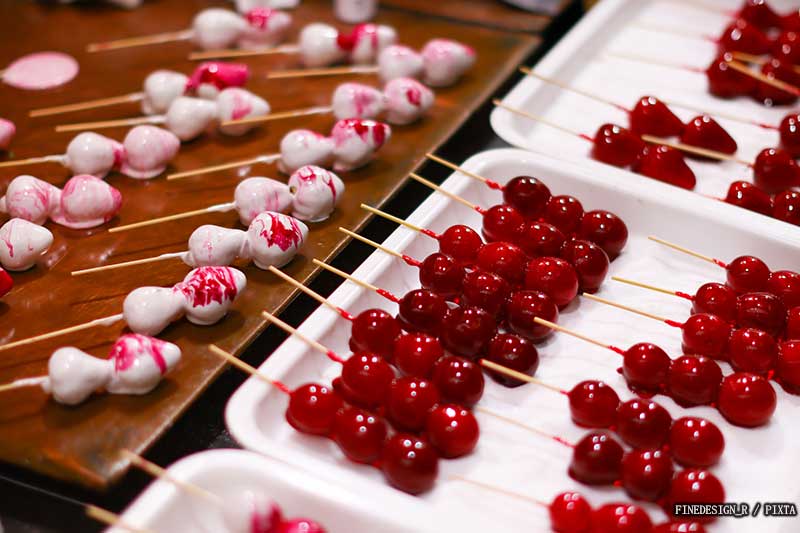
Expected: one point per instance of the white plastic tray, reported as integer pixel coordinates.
(582, 59)
(163, 507)
(759, 465)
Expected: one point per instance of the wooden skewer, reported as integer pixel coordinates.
(526, 427)
(517, 375)
(306, 339)
(686, 251)
(355, 280)
(774, 82)
(162, 257)
(113, 520)
(24, 382)
(220, 54)
(162, 473)
(241, 365)
(537, 118)
(218, 208)
(104, 124)
(225, 166)
(106, 321)
(370, 242)
(756, 60)
(91, 104)
(711, 154)
(333, 71)
(500, 490)
(644, 286)
(141, 41)
(32, 161)
(570, 332)
(652, 61)
(552, 81)
(703, 6)
(307, 290)
(392, 218)
(317, 110)
(447, 193)
(627, 308)
(674, 31)
(453, 166)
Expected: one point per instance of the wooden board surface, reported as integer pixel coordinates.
(82, 444)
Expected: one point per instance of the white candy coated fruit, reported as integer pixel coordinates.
(273, 239)
(86, 202)
(446, 61)
(258, 194)
(211, 245)
(355, 11)
(139, 363)
(189, 117)
(407, 100)
(73, 375)
(92, 153)
(30, 199)
(22, 243)
(304, 147)
(398, 61)
(317, 192)
(243, 6)
(356, 100)
(250, 512)
(234, 103)
(369, 41)
(161, 88)
(148, 310)
(216, 28)
(319, 47)
(356, 141)
(148, 151)
(265, 27)
(209, 291)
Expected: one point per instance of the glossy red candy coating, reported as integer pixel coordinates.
(374, 330)
(570, 513)
(746, 399)
(606, 230)
(616, 146)
(590, 263)
(747, 274)
(694, 380)
(360, 434)
(423, 310)
(787, 47)
(514, 352)
(786, 207)
(593, 404)
(458, 380)
(312, 409)
(752, 350)
(523, 307)
(408, 402)
(775, 170)
(715, 299)
(646, 474)
(790, 134)
(502, 223)
(666, 164)
(415, 354)
(793, 323)
(467, 330)
(6, 283)
(504, 259)
(696, 442)
(461, 243)
(749, 196)
(452, 430)
(741, 36)
(410, 463)
(759, 14)
(365, 379)
(621, 518)
(528, 195)
(679, 527)
(770, 95)
(791, 21)
(541, 239)
(761, 310)
(553, 276)
(442, 274)
(787, 369)
(596, 459)
(725, 82)
(786, 285)
(300, 525)
(651, 116)
(485, 290)
(643, 424)
(564, 212)
(645, 367)
(705, 132)
(696, 486)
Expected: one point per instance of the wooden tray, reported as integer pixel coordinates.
(82, 444)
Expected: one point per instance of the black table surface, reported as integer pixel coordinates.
(31, 503)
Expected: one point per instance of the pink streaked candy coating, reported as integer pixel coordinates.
(408, 100)
(86, 202)
(446, 61)
(210, 77)
(161, 88)
(22, 243)
(139, 363)
(215, 28)
(265, 27)
(42, 70)
(356, 100)
(258, 194)
(366, 41)
(211, 245)
(398, 61)
(316, 191)
(301, 525)
(305, 147)
(148, 151)
(92, 153)
(273, 239)
(319, 46)
(30, 199)
(7, 131)
(189, 117)
(235, 104)
(252, 512)
(355, 142)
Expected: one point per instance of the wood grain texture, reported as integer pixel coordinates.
(81, 444)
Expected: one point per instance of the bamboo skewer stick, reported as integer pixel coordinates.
(90, 104)
(105, 321)
(130, 42)
(224, 54)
